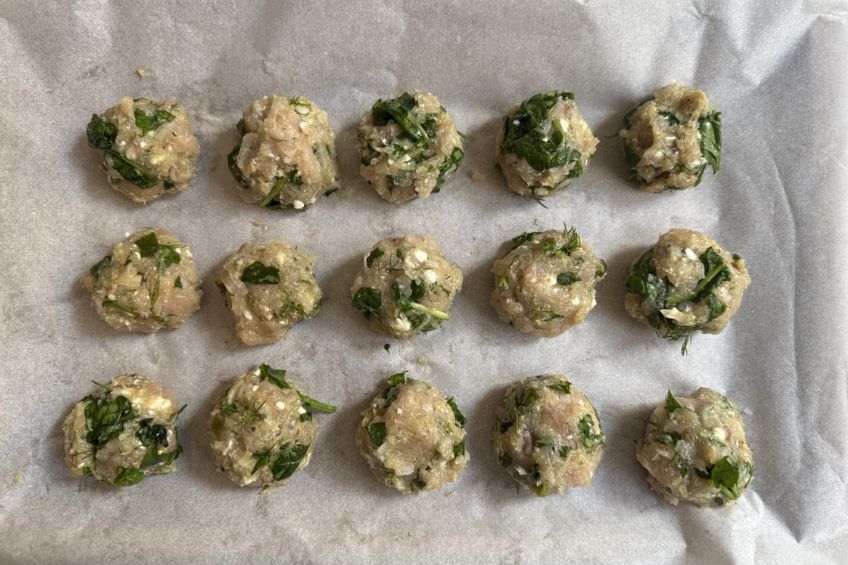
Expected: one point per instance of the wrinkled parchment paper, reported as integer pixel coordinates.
(776, 71)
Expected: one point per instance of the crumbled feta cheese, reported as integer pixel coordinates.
(429, 276)
(690, 254)
(280, 405)
(298, 205)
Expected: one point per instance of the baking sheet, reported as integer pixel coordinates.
(777, 73)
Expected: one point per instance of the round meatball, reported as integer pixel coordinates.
(147, 283)
(412, 436)
(410, 146)
(546, 282)
(686, 283)
(262, 429)
(149, 147)
(544, 145)
(269, 288)
(286, 157)
(548, 435)
(406, 286)
(695, 450)
(123, 432)
(671, 138)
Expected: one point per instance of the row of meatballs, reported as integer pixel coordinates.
(547, 436)
(409, 146)
(543, 284)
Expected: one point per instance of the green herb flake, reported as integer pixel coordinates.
(129, 171)
(671, 403)
(504, 459)
(564, 451)
(459, 449)
(458, 416)
(259, 273)
(526, 136)
(149, 123)
(725, 476)
(100, 266)
(589, 437)
(105, 418)
(710, 130)
(147, 245)
(397, 379)
(273, 376)
(567, 278)
(127, 476)
(375, 254)
(178, 282)
(564, 388)
(377, 432)
(399, 109)
(288, 460)
(100, 133)
(368, 301)
(520, 240)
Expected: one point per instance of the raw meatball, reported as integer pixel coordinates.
(262, 428)
(671, 138)
(544, 145)
(685, 283)
(149, 147)
(412, 436)
(147, 283)
(123, 432)
(546, 283)
(269, 288)
(410, 146)
(548, 435)
(695, 450)
(406, 286)
(287, 154)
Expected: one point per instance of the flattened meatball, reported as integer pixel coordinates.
(412, 436)
(671, 138)
(548, 435)
(686, 283)
(147, 283)
(406, 286)
(410, 146)
(695, 450)
(269, 288)
(148, 145)
(546, 283)
(123, 432)
(544, 145)
(263, 429)
(286, 157)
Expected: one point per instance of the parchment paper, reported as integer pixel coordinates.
(776, 71)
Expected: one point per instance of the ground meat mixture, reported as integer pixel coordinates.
(412, 436)
(147, 283)
(410, 146)
(263, 429)
(548, 435)
(544, 145)
(269, 288)
(148, 146)
(286, 157)
(546, 282)
(406, 286)
(686, 283)
(671, 138)
(123, 432)
(694, 449)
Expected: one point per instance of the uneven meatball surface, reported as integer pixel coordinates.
(149, 148)
(147, 283)
(671, 138)
(286, 157)
(694, 449)
(406, 286)
(123, 432)
(544, 145)
(269, 288)
(410, 146)
(548, 435)
(412, 436)
(686, 283)
(262, 429)
(546, 283)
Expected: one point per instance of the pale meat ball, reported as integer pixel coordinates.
(263, 429)
(544, 145)
(149, 148)
(413, 437)
(286, 157)
(123, 432)
(546, 283)
(410, 146)
(695, 450)
(686, 283)
(268, 288)
(548, 435)
(671, 138)
(147, 283)
(406, 286)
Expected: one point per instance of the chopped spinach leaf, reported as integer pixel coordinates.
(147, 245)
(115, 305)
(459, 449)
(368, 300)
(375, 254)
(273, 376)
(263, 458)
(100, 266)
(525, 135)
(602, 269)
(178, 282)
(234, 168)
(100, 133)
(259, 273)
(567, 278)
(149, 123)
(671, 403)
(725, 476)
(129, 171)
(127, 476)
(710, 129)
(287, 461)
(680, 464)
(520, 240)
(377, 432)
(105, 418)
(399, 110)
(504, 459)
(564, 388)
(397, 379)
(457, 415)
(150, 434)
(589, 437)
(564, 451)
